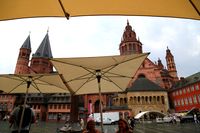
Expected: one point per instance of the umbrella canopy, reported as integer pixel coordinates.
(80, 74)
(31, 83)
(12, 9)
(87, 75)
(36, 83)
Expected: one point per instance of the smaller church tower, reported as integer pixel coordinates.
(23, 58)
(171, 66)
(160, 65)
(129, 43)
(40, 60)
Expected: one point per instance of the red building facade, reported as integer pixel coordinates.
(185, 94)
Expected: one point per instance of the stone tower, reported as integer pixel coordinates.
(23, 58)
(171, 66)
(129, 43)
(154, 71)
(39, 61)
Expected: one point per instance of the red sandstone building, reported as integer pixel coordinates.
(153, 72)
(185, 94)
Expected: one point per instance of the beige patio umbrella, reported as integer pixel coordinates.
(96, 75)
(32, 83)
(13, 9)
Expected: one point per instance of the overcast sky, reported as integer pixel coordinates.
(100, 36)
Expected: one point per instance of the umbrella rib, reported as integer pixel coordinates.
(108, 79)
(80, 77)
(92, 71)
(32, 81)
(88, 80)
(36, 87)
(193, 5)
(87, 69)
(113, 66)
(115, 75)
(16, 87)
(63, 9)
(38, 78)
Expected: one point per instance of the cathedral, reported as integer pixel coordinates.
(146, 91)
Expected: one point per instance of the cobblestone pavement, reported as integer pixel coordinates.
(50, 127)
(160, 128)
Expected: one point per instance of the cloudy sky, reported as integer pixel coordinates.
(100, 36)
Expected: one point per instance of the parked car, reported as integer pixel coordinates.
(106, 120)
(171, 119)
(187, 118)
(168, 119)
(108, 117)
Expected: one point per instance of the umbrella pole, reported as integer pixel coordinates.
(98, 76)
(24, 105)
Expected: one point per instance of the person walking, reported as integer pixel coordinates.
(195, 119)
(81, 123)
(132, 125)
(123, 126)
(15, 118)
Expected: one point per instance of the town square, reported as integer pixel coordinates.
(72, 71)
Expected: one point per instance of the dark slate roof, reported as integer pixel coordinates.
(165, 73)
(27, 43)
(44, 49)
(124, 107)
(144, 84)
(187, 81)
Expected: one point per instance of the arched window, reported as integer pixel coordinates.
(125, 100)
(150, 99)
(121, 101)
(163, 99)
(131, 100)
(158, 98)
(146, 99)
(138, 99)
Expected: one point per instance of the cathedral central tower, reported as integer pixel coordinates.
(129, 43)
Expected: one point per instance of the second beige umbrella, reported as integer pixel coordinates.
(31, 83)
(96, 75)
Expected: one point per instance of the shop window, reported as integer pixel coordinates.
(184, 91)
(192, 88)
(195, 99)
(197, 87)
(190, 100)
(175, 104)
(182, 102)
(180, 92)
(186, 101)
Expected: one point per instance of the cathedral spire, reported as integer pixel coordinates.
(127, 22)
(40, 61)
(160, 65)
(171, 66)
(23, 57)
(44, 50)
